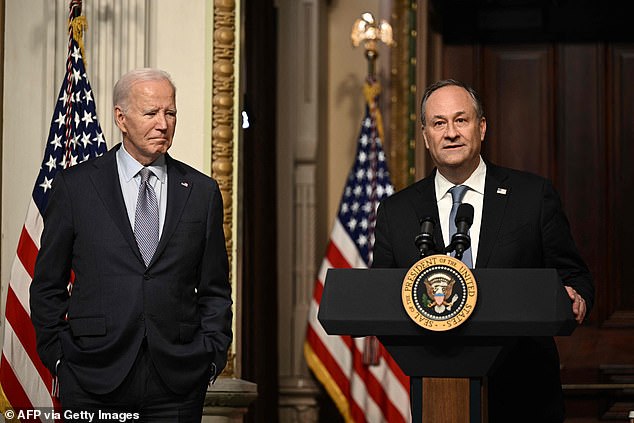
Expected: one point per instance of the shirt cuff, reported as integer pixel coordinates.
(214, 374)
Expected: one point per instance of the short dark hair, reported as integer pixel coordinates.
(477, 102)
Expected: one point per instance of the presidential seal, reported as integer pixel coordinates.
(439, 292)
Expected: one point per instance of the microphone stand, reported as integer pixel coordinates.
(425, 240)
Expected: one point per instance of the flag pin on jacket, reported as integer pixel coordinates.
(501, 191)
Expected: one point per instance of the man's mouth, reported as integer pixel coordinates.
(453, 146)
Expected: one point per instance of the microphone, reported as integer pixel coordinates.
(425, 240)
(461, 240)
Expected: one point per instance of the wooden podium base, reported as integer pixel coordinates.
(451, 400)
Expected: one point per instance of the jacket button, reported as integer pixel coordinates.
(141, 316)
(146, 277)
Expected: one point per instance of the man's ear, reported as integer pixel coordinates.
(483, 128)
(425, 137)
(119, 118)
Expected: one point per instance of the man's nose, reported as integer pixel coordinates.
(161, 121)
(452, 131)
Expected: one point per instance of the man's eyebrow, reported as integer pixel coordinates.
(458, 113)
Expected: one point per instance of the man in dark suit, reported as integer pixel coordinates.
(518, 223)
(148, 323)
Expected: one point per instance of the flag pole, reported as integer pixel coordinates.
(359, 375)
(75, 6)
(368, 30)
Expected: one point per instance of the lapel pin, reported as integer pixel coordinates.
(502, 191)
(185, 184)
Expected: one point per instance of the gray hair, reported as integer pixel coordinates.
(475, 97)
(121, 91)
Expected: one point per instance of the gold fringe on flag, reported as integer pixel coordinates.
(322, 374)
(371, 91)
(5, 405)
(78, 25)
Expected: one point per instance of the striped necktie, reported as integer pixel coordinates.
(146, 218)
(457, 194)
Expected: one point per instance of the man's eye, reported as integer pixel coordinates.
(461, 122)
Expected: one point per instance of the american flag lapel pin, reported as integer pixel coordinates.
(501, 191)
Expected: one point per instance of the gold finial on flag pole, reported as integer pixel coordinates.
(366, 29)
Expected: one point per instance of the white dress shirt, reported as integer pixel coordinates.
(473, 196)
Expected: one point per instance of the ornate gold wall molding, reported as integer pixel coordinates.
(223, 125)
(402, 144)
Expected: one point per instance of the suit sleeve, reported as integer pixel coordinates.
(49, 295)
(560, 251)
(214, 288)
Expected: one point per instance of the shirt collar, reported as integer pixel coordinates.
(130, 167)
(475, 182)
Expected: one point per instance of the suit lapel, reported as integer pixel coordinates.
(178, 189)
(107, 186)
(496, 192)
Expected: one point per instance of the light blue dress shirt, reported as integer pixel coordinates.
(130, 181)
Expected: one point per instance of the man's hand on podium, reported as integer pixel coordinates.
(578, 304)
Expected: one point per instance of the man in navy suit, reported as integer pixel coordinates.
(146, 327)
(518, 223)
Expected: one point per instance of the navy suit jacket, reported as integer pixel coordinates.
(523, 226)
(180, 303)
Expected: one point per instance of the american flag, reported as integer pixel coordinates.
(75, 136)
(364, 390)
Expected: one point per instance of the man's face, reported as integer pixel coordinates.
(149, 122)
(453, 133)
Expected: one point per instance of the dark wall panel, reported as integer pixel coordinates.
(581, 150)
(461, 62)
(518, 96)
(621, 179)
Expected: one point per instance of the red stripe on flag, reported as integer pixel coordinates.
(334, 256)
(13, 389)
(335, 372)
(328, 361)
(396, 369)
(375, 389)
(27, 251)
(23, 329)
(318, 291)
(373, 386)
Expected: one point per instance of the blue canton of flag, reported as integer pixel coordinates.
(368, 183)
(75, 134)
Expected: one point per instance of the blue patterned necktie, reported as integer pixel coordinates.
(457, 194)
(146, 218)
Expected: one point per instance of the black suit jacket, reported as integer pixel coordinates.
(181, 303)
(523, 226)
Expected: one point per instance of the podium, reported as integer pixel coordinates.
(447, 367)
